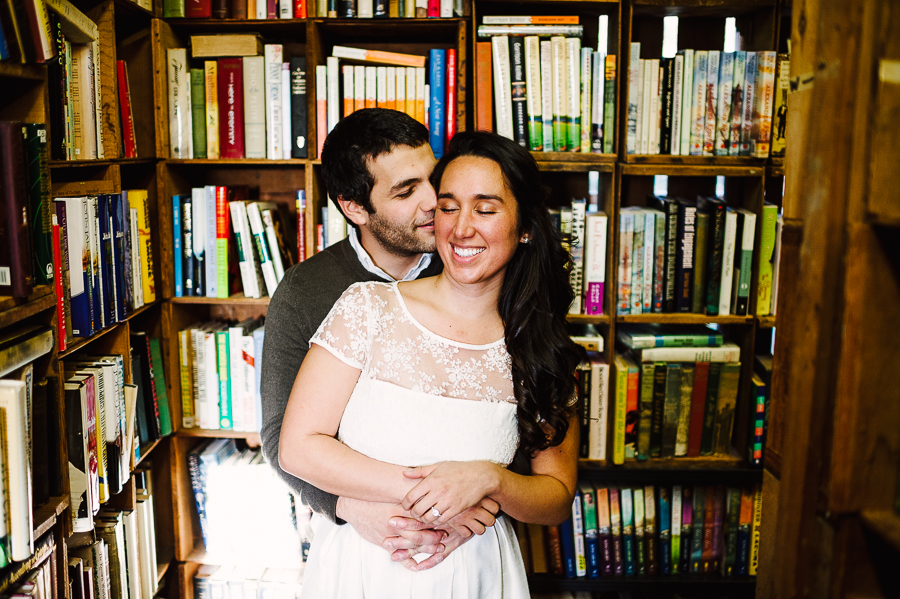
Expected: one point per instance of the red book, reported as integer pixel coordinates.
(16, 274)
(301, 226)
(271, 8)
(555, 548)
(231, 108)
(128, 140)
(299, 9)
(698, 406)
(239, 9)
(708, 525)
(198, 9)
(57, 282)
(484, 96)
(434, 8)
(451, 94)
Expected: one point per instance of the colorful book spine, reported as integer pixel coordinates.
(560, 94)
(631, 141)
(742, 559)
(650, 529)
(211, 86)
(698, 102)
(484, 110)
(231, 108)
(594, 262)
(573, 93)
(677, 99)
(676, 528)
(615, 518)
(502, 86)
(737, 102)
(222, 242)
(750, 91)
(586, 102)
(779, 113)
(640, 557)
(627, 500)
(176, 245)
(578, 536)
(609, 105)
(711, 102)
(322, 106)
(687, 102)
(723, 110)
(452, 94)
(518, 96)
(765, 97)
(547, 95)
(626, 239)
(223, 369)
(697, 519)
(687, 512)
(591, 537)
(665, 531)
(437, 77)
(598, 88)
(604, 532)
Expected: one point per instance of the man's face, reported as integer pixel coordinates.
(403, 201)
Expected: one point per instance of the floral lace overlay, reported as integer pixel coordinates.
(370, 328)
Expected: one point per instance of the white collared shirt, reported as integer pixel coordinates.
(366, 260)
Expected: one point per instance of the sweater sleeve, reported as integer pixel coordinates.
(288, 330)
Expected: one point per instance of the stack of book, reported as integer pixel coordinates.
(248, 102)
(25, 34)
(219, 375)
(120, 558)
(301, 9)
(551, 94)
(675, 393)
(649, 531)
(426, 93)
(250, 582)
(108, 421)
(693, 256)
(213, 219)
(40, 582)
(225, 481)
(707, 103)
(103, 260)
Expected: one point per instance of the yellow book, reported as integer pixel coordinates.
(138, 200)
(420, 94)
(212, 110)
(754, 531)
(99, 409)
(185, 362)
(619, 409)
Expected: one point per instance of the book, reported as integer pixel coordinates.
(640, 555)
(180, 134)
(723, 108)
(378, 56)
(578, 535)
(609, 108)
(727, 352)
(645, 411)
(698, 102)
(567, 547)
(745, 523)
(750, 92)
(560, 90)
(484, 110)
(701, 232)
(37, 181)
(768, 224)
(254, 106)
(211, 88)
(671, 407)
(729, 250)
(665, 531)
(650, 530)
(222, 45)
(547, 95)
(274, 117)
(198, 112)
(684, 410)
(259, 236)
(698, 408)
(437, 76)
(518, 96)
(615, 519)
(711, 101)
(628, 552)
(779, 112)
(698, 518)
(684, 260)
(502, 86)
(676, 529)
(139, 201)
(729, 379)
(594, 262)
(647, 336)
(16, 267)
(733, 513)
(743, 264)
(598, 407)
(761, 127)
(622, 366)
(17, 443)
(591, 535)
(126, 112)
(231, 108)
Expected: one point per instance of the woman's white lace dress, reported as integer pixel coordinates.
(420, 399)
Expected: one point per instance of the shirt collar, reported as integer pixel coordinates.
(369, 265)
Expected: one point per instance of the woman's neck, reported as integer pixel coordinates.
(468, 302)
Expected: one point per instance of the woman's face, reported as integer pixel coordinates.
(476, 224)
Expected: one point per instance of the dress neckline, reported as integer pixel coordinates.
(395, 286)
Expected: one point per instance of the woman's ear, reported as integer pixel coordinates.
(525, 238)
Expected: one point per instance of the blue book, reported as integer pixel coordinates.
(567, 545)
(4, 48)
(117, 218)
(94, 261)
(591, 531)
(200, 461)
(628, 529)
(72, 222)
(128, 254)
(437, 119)
(665, 531)
(259, 336)
(177, 253)
(108, 268)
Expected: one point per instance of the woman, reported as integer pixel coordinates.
(449, 374)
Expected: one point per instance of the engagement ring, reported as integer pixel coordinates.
(435, 512)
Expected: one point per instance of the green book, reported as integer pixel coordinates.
(609, 105)
(659, 404)
(697, 519)
(701, 229)
(709, 411)
(725, 406)
(676, 529)
(766, 252)
(173, 8)
(159, 379)
(743, 252)
(37, 154)
(731, 533)
(645, 410)
(591, 538)
(224, 368)
(652, 335)
(619, 409)
(670, 409)
(640, 565)
(198, 112)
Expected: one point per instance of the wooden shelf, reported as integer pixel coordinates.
(767, 322)
(716, 462)
(251, 437)
(80, 342)
(683, 318)
(15, 70)
(13, 310)
(16, 570)
(884, 220)
(147, 449)
(678, 169)
(694, 160)
(885, 524)
(164, 557)
(45, 516)
(586, 319)
(236, 161)
(684, 583)
(234, 300)
(730, 470)
(103, 162)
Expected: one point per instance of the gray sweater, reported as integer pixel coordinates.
(300, 304)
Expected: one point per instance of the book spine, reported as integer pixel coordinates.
(677, 98)
(333, 94)
(684, 412)
(750, 91)
(627, 508)
(148, 285)
(595, 263)
(659, 262)
(733, 511)
(745, 523)
(650, 529)
(659, 405)
(274, 102)
(698, 293)
(687, 527)
(667, 104)
(684, 265)
(599, 409)
(573, 93)
(197, 9)
(687, 99)
(547, 83)
(221, 215)
(322, 105)
(560, 94)
(631, 140)
(62, 324)
(619, 410)
(578, 536)
(15, 444)
(176, 245)
(231, 108)
(224, 380)
(180, 136)
(665, 531)
(737, 102)
(649, 258)
(347, 72)
(742, 305)
(615, 519)
(726, 84)
(212, 108)
(298, 107)
(766, 253)
(567, 547)
(576, 250)
(779, 114)
(675, 533)
(644, 108)
(626, 238)
(712, 93)
(645, 411)
(640, 553)
(670, 410)
(502, 86)
(653, 132)
(130, 145)
(555, 549)
(185, 360)
(452, 95)
(254, 106)
(198, 113)
(697, 520)
(698, 406)
(220, 9)
(598, 101)
(533, 93)
(609, 109)
(174, 8)
(698, 102)
(484, 111)
(437, 79)
(420, 92)
(762, 112)
(585, 96)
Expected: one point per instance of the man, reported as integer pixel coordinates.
(376, 164)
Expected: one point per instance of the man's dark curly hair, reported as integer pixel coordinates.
(358, 138)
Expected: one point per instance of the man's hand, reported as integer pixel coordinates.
(460, 529)
(371, 521)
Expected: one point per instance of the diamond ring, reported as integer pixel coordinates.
(435, 512)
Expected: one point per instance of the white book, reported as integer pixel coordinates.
(594, 262)
(547, 94)
(381, 87)
(262, 10)
(712, 101)
(637, 260)
(723, 108)
(576, 249)
(259, 237)
(198, 371)
(265, 210)
(179, 84)
(254, 106)
(727, 262)
(236, 367)
(750, 90)
(333, 106)
(147, 547)
(578, 531)
(359, 87)
(243, 237)
(560, 93)
(687, 102)
(89, 95)
(422, 97)
(698, 102)
(632, 139)
(675, 146)
(285, 9)
(648, 92)
(136, 280)
(626, 239)
(598, 406)
(400, 95)
(337, 224)
(649, 257)
(655, 105)
(586, 99)
(132, 562)
(446, 10)
(247, 362)
(502, 86)
(198, 238)
(737, 102)
(533, 91)
(727, 352)
(211, 261)
(677, 505)
(390, 80)
(573, 92)
(18, 457)
(211, 399)
(274, 127)
(411, 91)
(365, 9)
(286, 110)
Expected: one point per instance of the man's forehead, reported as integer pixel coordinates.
(395, 165)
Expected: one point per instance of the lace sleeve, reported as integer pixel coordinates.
(345, 332)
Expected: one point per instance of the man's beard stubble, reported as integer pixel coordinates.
(401, 240)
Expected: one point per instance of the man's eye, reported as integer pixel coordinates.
(406, 193)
